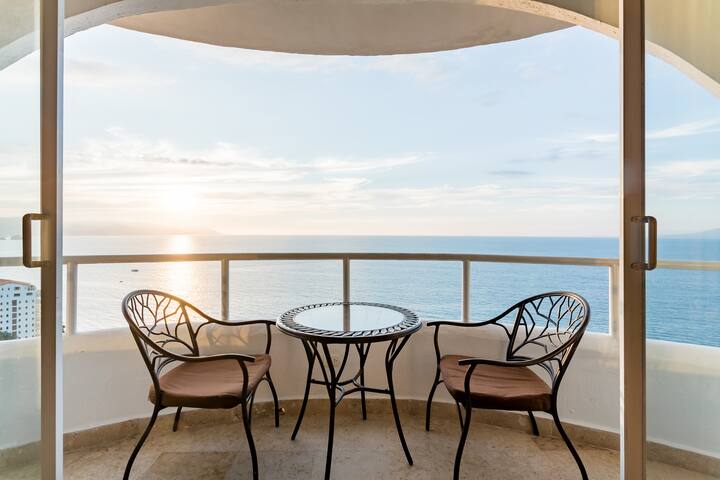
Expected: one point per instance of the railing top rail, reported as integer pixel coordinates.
(389, 256)
(438, 257)
(688, 264)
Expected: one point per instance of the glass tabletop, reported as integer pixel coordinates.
(349, 318)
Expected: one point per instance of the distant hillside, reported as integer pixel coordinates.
(711, 234)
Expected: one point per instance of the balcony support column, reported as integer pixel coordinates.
(466, 266)
(225, 289)
(346, 279)
(72, 301)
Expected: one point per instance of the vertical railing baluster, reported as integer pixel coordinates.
(225, 289)
(466, 264)
(71, 281)
(346, 280)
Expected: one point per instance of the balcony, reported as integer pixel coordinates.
(103, 411)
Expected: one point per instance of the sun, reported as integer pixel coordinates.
(177, 200)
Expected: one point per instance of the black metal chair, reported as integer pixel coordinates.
(544, 333)
(166, 329)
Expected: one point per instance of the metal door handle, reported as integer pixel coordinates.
(27, 256)
(652, 243)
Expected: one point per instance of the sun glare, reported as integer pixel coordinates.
(179, 244)
(177, 200)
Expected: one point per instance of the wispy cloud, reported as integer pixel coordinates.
(123, 176)
(511, 173)
(695, 180)
(687, 129)
(86, 73)
(424, 67)
(339, 165)
(601, 138)
(687, 168)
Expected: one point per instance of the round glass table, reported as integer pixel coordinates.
(358, 324)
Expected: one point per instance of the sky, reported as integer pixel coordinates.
(520, 138)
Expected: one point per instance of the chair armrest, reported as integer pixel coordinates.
(439, 323)
(210, 358)
(242, 322)
(520, 363)
(498, 363)
(451, 323)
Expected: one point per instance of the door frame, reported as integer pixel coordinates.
(632, 241)
(52, 20)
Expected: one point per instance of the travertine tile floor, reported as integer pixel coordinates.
(365, 450)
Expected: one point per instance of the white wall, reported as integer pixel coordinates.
(106, 381)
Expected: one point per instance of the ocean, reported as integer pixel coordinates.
(682, 304)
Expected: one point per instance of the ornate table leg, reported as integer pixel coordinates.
(363, 350)
(310, 353)
(331, 383)
(392, 352)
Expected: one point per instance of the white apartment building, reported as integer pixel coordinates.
(18, 309)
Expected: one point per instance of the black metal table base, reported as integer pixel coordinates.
(336, 386)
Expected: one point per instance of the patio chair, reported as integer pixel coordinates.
(543, 332)
(166, 329)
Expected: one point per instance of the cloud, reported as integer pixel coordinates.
(687, 169)
(568, 151)
(337, 165)
(424, 67)
(601, 138)
(511, 173)
(695, 180)
(121, 176)
(687, 129)
(85, 73)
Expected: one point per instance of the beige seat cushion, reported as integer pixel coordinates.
(213, 384)
(493, 387)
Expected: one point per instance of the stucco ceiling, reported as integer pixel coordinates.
(676, 32)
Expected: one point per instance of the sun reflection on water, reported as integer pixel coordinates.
(181, 276)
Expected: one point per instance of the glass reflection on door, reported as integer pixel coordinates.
(19, 286)
(683, 193)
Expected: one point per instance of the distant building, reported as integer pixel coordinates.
(18, 309)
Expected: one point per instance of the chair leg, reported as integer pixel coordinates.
(251, 443)
(311, 363)
(463, 438)
(569, 444)
(275, 399)
(177, 419)
(436, 382)
(460, 417)
(140, 443)
(535, 430)
(250, 410)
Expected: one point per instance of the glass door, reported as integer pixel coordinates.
(682, 330)
(29, 280)
(20, 287)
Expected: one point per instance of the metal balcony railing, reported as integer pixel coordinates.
(73, 263)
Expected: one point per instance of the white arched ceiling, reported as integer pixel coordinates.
(378, 27)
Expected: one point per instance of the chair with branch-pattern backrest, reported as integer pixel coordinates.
(165, 329)
(542, 332)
